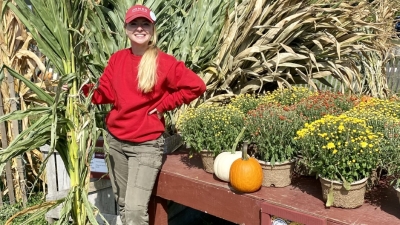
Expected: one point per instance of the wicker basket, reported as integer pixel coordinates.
(343, 198)
(279, 175)
(207, 157)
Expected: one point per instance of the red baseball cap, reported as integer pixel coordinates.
(137, 11)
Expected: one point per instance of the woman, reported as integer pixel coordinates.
(142, 83)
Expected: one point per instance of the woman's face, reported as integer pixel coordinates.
(139, 31)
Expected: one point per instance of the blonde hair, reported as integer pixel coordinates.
(147, 69)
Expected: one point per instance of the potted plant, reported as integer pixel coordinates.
(343, 151)
(315, 107)
(391, 154)
(382, 115)
(210, 130)
(272, 128)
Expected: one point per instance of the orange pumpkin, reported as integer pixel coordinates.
(246, 173)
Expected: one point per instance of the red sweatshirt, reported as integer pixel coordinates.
(129, 119)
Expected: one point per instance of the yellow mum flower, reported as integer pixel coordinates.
(330, 145)
(334, 151)
(364, 144)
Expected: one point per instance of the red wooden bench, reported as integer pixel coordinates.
(183, 181)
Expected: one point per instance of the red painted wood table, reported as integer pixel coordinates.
(183, 181)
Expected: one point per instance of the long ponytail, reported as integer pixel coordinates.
(147, 70)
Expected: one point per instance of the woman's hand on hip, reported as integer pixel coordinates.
(160, 115)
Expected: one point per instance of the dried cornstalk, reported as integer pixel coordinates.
(290, 42)
(15, 53)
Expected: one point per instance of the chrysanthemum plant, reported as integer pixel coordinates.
(383, 116)
(211, 127)
(391, 153)
(245, 102)
(324, 103)
(272, 128)
(340, 148)
(287, 96)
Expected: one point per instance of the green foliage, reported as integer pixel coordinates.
(383, 116)
(272, 128)
(245, 102)
(391, 152)
(340, 148)
(324, 103)
(287, 96)
(183, 34)
(210, 127)
(8, 210)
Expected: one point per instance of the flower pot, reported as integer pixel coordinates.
(398, 193)
(343, 198)
(279, 175)
(207, 157)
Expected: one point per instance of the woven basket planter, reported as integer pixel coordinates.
(343, 198)
(207, 157)
(279, 175)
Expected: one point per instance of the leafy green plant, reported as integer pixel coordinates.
(391, 152)
(211, 127)
(245, 102)
(382, 115)
(385, 107)
(324, 103)
(8, 210)
(287, 96)
(272, 128)
(340, 148)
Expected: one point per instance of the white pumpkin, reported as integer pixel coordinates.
(223, 162)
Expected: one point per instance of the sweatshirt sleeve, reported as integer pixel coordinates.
(104, 93)
(184, 86)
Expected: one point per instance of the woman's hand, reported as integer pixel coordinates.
(160, 115)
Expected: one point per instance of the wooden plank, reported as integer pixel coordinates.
(214, 200)
(265, 219)
(15, 132)
(93, 187)
(193, 187)
(51, 175)
(63, 181)
(333, 222)
(103, 199)
(158, 211)
(4, 144)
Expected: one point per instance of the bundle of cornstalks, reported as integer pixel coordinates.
(291, 42)
(16, 53)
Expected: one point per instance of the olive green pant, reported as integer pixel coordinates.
(133, 170)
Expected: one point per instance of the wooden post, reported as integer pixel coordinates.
(158, 214)
(15, 132)
(4, 144)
